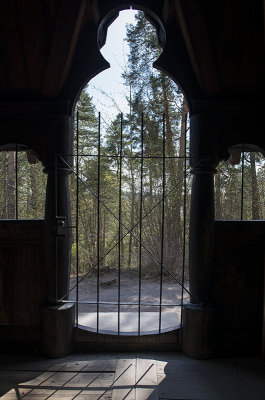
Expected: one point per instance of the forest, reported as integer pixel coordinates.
(134, 169)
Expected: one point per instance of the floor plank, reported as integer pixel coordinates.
(80, 395)
(58, 379)
(125, 379)
(92, 377)
(146, 380)
(92, 365)
(22, 393)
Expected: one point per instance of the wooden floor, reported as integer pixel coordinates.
(130, 376)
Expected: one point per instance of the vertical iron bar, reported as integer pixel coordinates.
(55, 184)
(16, 172)
(242, 182)
(98, 220)
(77, 220)
(184, 219)
(56, 213)
(140, 224)
(162, 221)
(119, 232)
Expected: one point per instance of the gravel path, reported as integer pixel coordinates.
(129, 292)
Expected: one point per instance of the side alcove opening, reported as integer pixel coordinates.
(22, 258)
(239, 184)
(238, 264)
(23, 184)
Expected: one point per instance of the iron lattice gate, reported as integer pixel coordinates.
(130, 198)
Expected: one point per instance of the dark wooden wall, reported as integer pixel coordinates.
(238, 285)
(22, 278)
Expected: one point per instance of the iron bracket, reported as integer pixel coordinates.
(60, 226)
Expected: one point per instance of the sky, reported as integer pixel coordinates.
(110, 81)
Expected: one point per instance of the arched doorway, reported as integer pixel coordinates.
(130, 202)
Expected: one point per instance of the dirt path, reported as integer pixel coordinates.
(129, 292)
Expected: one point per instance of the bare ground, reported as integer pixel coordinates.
(129, 292)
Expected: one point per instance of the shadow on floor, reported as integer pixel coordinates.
(131, 376)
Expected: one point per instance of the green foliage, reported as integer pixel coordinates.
(27, 181)
(152, 94)
(234, 191)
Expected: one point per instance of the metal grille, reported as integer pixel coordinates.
(22, 183)
(158, 253)
(239, 185)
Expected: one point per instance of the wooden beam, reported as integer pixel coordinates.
(198, 41)
(264, 20)
(3, 79)
(29, 20)
(187, 39)
(251, 63)
(12, 56)
(263, 319)
(63, 45)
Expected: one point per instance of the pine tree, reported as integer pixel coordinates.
(154, 94)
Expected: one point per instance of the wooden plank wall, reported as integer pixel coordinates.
(22, 279)
(238, 287)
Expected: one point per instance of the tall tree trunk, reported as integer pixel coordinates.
(131, 214)
(181, 164)
(104, 228)
(132, 187)
(4, 185)
(151, 181)
(172, 230)
(34, 194)
(11, 185)
(256, 214)
(218, 207)
(120, 227)
(169, 134)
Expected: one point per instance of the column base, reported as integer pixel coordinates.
(198, 339)
(57, 330)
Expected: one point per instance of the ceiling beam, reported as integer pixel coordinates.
(3, 75)
(264, 20)
(198, 41)
(187, 39)
(63, 45)
(29, 19)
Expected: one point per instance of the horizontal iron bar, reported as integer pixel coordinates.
(125, 156)
(115, 303)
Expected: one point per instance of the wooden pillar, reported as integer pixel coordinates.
(58, 234)
(57, 317)
(263, 319)
(202, 217)
(198, 316)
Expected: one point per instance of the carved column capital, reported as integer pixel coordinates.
(59, 170)
(204, 143)
(204, 168)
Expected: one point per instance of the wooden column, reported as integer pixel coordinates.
(202, 216)
(58, 237)
(198, 315)
(57, 317)
(263, 320)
